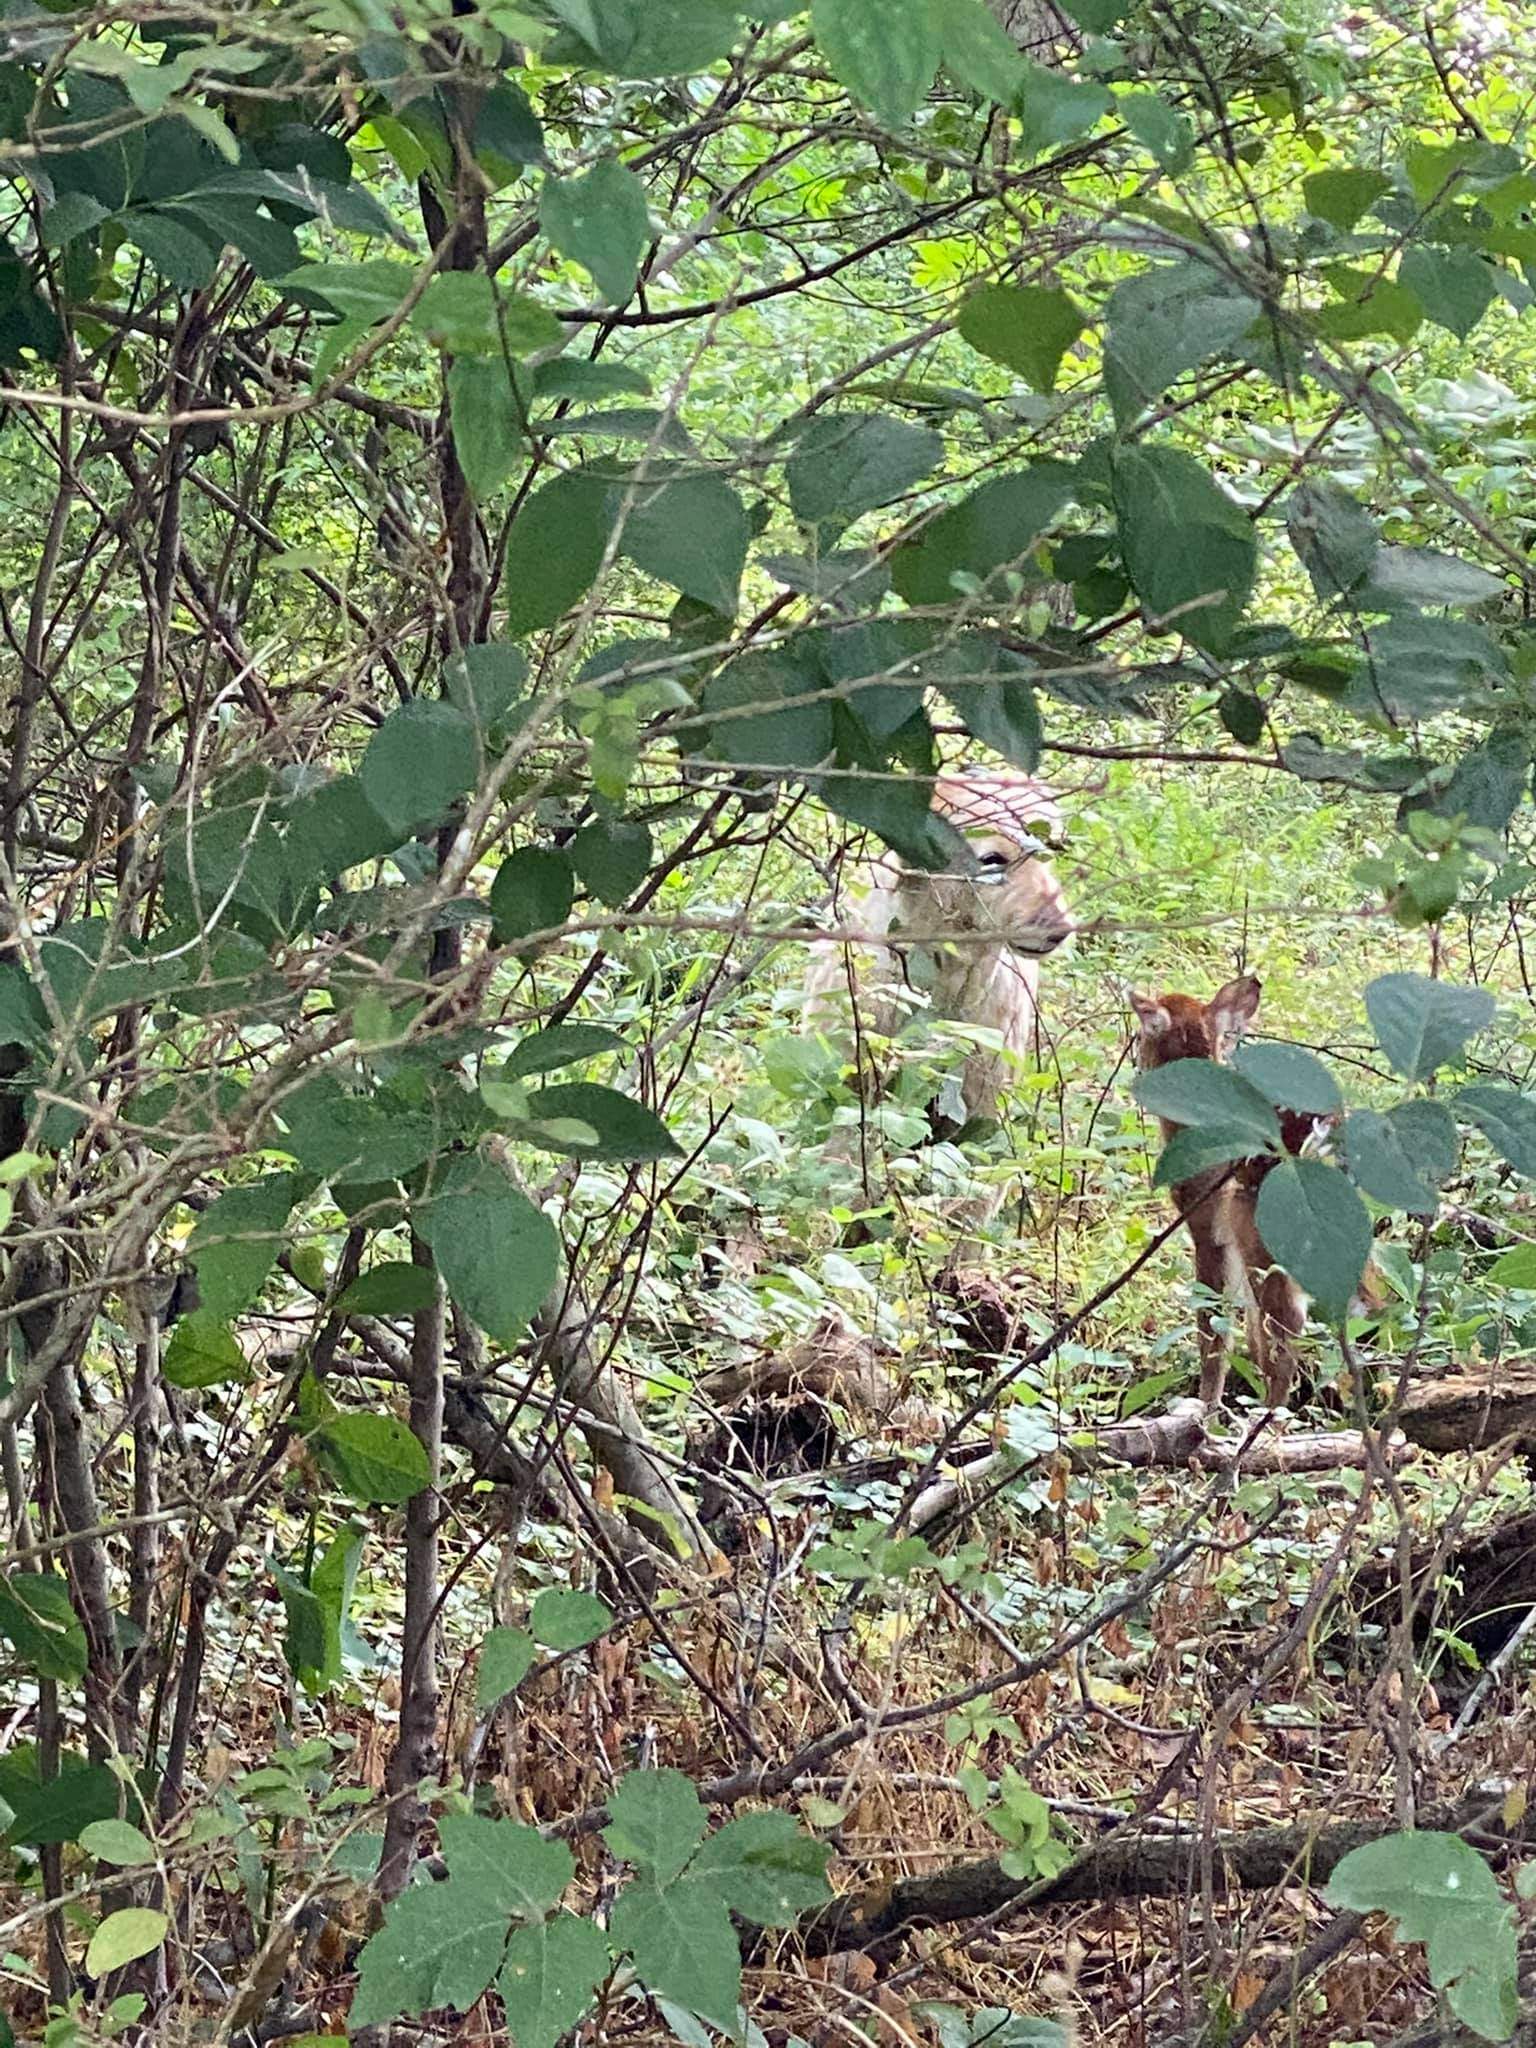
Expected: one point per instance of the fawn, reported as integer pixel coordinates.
(1219, 1204)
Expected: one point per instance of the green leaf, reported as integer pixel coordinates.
(1488, 785)
(977, 51)
(1197, 1148)
(551, 1970)
(1289, 1077)
(1454, 286)
(657, 1821)
(1243, 716)
(1340, 197)
(1440, 1891)
(499, 1255)
(765, 1868)
(422, 759)
(1515, 1268)
(533, 891)
(884, 54)
(1384, 1158)
(38, 1619)
(235, 1245)
(1507, 1119)
(580, 377)
(680, 1939)
(1420, 666)
(506, 1657)
(487, 419)
(1370, 305)
(568, 1620)
(637, 39)
(1055, 108)
(487, 681)
(465, 313)
(203, 1352)
(1423, 576)
(1027, 328)
(1318, 1229)
(1421, 1025)
(442, 1944)
(334, 828)
(1189, 551)
(993, 528)
(749, 730)
(560, 1045)
(613, 856)
(375, 1458)
(356, 1138)
(117, 1842)
(687, 530)
(1162, 130)
(1333, 534)
(996, 701)
(56, 1809)
(900, 812)
(846, 464)
(392, 1290)
(362, 291)
(123, 1937)
(1201, 1092)
(602, 222)
(627, 1132)
(304, 1634)
(555, 549)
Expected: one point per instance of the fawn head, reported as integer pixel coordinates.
(1175, 1027)
(1012, 824)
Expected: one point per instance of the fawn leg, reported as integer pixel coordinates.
(1211, 1272)
(1281, 1319)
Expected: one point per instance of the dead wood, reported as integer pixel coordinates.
(1482, 1588)
(1135, 1866)
(1473, 1410)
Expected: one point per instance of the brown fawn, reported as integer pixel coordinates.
(1219, 1204)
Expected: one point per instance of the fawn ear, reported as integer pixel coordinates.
(1151, 1015)
(1234, 1007)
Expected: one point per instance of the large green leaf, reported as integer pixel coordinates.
(552, 1967)
(1165, 321)
(1420, 1024)
(994, 527)
(203, 1352)
(1440, 1891)
(1454, 286)
(1188, 549)
(765, 1867)
(770, 709)
(558, 1045)
(1318, 1229)
(499, 1255)
(680, 1939)
(1333, 534)
(1507, 1119)
(1388, 1156)
(38, 1620)
(123, 1937)
(613, 856)
(623, 1130)
(422, 759)
(688, 530)
(1419, 666)
(601, 220)
(845, 464)
(355, 1137)
(1290, 1077)
(657, 1820)
(375, 1458)
(555, 549)
(993, 694)
(390, 1290)
(1201, 1092)
(487, 417)
(977, 51)
(506, 1657)
(883, 51)
(638, 39)
(1341, 196)
(533, 891)
(235, 1245)
(1197, 1147)
(1055, 108)
(1026, 327)
(45, 1810)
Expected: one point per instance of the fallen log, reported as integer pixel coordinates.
(1481, 1589)
(1134, 1866)
(1473, 1410)
(1176, 1438)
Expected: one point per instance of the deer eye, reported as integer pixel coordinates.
(993, 859)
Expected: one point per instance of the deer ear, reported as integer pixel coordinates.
(1234, 1007)
(1151, 1015)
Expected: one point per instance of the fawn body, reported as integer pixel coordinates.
(1008, 917)
(1219, 1204)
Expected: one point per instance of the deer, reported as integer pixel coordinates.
(1007, 915)
(1219, 1205)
